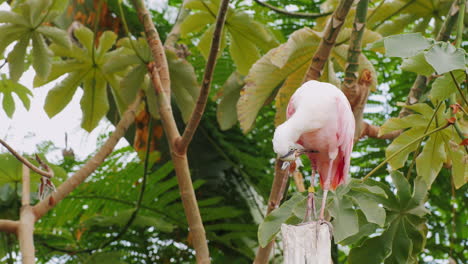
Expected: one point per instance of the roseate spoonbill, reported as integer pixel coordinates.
(320, 124)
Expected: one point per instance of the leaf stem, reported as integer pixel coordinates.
(458, 88)
(416, 152)
(403, 148)
(460, 25)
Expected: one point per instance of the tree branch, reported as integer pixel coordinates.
(357, 91)
(292, 14)
(373, 132)
(26, 222)
(48, 174)
(180, 161)
(91, 165)
(328, 41)
(8, 226)
(276, 195)
(197, 113)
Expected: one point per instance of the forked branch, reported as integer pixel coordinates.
(197, 113)
(49, 173)
(328, 41)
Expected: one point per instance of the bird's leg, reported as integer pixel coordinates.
(310, 211)
(326, 187)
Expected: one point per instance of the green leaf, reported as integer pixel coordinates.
(8, 104)
(444, 57)
(373, 250)
(16, 58)
(204, 45)
(94, 103)
(271, 70)
(401, 141)
(226, 112)
(129, 84)
(271, 225)
(41, 56)
(421, 108)
(417, 64)
(444, 86)
(184, 84)
(13, 18)
(401, 245)
(405, 45)
(86, 37)
(371, 209)
(57, 35)
(119, 62)
(38, 10)
(106, 41)
(403, 187)
(9, 34)
(243, 52)
(430, 161)
(345, 219)
(58, 69)
(396, 123)
(61, 95)
(195, 22)
(459, 168)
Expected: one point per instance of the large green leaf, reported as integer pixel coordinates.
(405, 45)
(184, 84)
(459, 168)
(243, 52)
(61, 95)
(271, 70)
(430, 161)
(444, 57)
(417, 64)
(444, 86)
(272, 223)
(403, 237)
(41, 56)
(226, 113)
(398, 146)
(345, 219)
(94, 103)
(16, 58)
(24, 24)
(396, 123)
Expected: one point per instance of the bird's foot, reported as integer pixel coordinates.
(330, 226)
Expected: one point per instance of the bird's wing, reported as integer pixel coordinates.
(345, 134)
(291, 107)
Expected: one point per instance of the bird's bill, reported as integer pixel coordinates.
(290, 156)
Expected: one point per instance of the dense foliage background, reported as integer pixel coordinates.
(232, 171)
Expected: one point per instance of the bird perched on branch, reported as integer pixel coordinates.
(320, 124)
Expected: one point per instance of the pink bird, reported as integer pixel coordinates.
(320, 123)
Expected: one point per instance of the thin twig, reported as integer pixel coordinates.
(403, 148)
(48, 174)
(292, 14)
(91, 165)
(459, 88)
(194, 121)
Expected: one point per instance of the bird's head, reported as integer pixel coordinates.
(284, 145)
